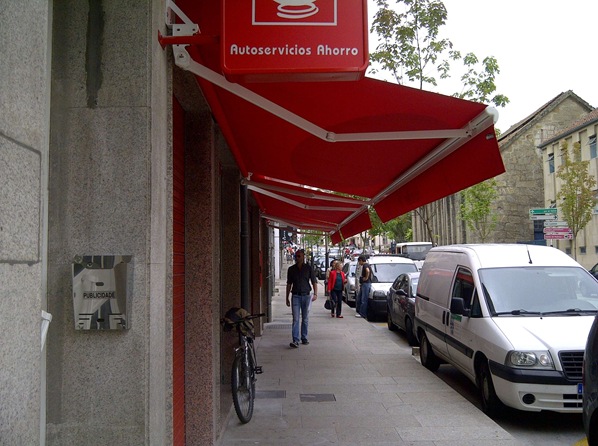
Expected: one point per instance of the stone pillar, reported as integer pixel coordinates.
(24, 121)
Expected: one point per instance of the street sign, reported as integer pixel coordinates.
(543, 216)
(555, 224)
(558, 231)
(558, 236)
(541, 211)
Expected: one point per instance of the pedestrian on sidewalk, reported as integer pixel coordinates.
(357, 289)
(365, 281)
(336, 282)
(299, 277)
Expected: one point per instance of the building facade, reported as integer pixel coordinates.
(107, 149)
(582, 132)
(520, 188)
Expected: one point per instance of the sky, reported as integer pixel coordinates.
(543, 48)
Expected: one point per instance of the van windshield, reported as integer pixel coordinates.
(415, 252)
(539, 290)
(388, 272)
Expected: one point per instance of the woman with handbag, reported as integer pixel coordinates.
(336, 282)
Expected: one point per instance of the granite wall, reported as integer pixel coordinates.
(110, 193)
(24, 121)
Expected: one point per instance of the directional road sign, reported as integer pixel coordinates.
(558, 236)
(542, 211)
(558, 231)
(543, 216)
(555, 224)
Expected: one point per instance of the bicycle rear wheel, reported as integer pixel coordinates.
(243, 387)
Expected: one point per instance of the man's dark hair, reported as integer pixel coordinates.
(361, 257)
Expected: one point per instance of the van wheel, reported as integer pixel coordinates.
(491, 404)
(427, 356)
(391, 326)
(411, 339)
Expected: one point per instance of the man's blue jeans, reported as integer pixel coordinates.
(364, 290)
(300, 304)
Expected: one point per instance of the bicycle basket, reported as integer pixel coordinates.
(234, 316)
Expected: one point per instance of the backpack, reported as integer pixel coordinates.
(233, 316)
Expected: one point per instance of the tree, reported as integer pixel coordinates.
(426, 213)
(409, 40)
(412, 50)
(576, 195)
(476, 208)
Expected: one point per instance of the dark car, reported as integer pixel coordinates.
(401, 305)
(590, 386)
(594, 271)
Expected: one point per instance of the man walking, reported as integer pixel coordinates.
(365, 281)
(299, 277)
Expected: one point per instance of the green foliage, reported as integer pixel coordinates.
(412, 50)
(311, 238)
(409, 39)
(476, 208)
(398, 229)
(478, 84)
(576, 195)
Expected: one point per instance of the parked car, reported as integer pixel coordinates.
(590, 386)
(385, 269)
(401, 305)
(349, 288)
(594, 271)
(513, 318)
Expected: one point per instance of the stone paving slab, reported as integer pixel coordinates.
(383, 395)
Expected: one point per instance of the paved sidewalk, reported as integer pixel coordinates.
(377, 393)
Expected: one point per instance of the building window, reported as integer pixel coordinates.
(592, 143)
(582, 249)
(551, 163)
(596, 249)
(568, 251)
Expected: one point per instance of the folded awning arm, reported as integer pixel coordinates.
(183, 59)
(318, 226)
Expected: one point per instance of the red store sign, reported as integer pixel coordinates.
(289, 40)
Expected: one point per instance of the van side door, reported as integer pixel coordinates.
(460, 335)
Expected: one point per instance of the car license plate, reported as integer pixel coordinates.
(580, 389)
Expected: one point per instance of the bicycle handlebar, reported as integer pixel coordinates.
(246, 318)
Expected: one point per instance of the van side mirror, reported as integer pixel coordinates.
(458, 306)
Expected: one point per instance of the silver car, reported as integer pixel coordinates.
(349, 288)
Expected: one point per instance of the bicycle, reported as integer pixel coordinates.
(245, 363)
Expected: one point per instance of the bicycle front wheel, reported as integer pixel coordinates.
(243, 387)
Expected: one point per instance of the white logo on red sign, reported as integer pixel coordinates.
(294, 12)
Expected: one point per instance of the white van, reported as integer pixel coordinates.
(513, 318)
(415, 251)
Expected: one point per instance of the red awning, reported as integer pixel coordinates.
(393, 147)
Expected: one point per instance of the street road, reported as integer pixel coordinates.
(531, 428)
